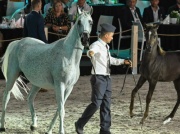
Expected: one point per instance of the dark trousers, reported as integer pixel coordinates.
(100, 98)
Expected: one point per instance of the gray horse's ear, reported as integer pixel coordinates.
(79, 10)
(91, 11)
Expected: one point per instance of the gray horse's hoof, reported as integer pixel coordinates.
(2, 129)
(33, 128)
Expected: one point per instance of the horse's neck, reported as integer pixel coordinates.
(72, 45)
(150, 56)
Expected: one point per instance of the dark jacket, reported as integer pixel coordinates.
(148, 14)
(173, 8)
(34, 26)
(126, 17)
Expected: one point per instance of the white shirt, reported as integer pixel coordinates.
(134, 14)
(100, 58)
(155, 15)
(46, 8)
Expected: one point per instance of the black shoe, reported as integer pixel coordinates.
(104, 132)
(78, 129)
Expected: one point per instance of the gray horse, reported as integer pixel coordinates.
(50, 66)
(157, 65)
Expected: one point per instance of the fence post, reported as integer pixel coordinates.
(134, 46)
(46, 32)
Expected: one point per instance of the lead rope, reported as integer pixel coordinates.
(135, 85)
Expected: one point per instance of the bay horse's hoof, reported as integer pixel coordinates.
(2, 129)
(167, 120)
(131, 114)
(33, 128)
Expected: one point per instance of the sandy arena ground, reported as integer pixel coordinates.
(18, 118)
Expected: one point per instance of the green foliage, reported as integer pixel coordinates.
(174, 14)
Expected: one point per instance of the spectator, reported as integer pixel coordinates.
(128, 14)
(153, 13)
(34, 22)
(175, 7)
(57, 21)
(66, 5)
(48, 6)
(100, 81)
(81, 4)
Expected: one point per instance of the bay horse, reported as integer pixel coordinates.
(157, 65)
(50, 66)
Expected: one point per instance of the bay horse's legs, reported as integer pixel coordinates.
(141, 81)
(32, 94)
(67, 93)
(11, 78)
(171, 115)
(152, 85)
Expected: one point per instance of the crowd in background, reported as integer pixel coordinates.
(59, 14)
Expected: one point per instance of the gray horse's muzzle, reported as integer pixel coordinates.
(85, 39)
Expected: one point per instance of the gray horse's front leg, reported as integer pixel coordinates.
(59, 92)
(52, 123)
(32, 94)
(67, 93)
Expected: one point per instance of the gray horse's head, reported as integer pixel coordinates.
(84, 24)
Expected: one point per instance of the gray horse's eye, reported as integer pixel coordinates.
(90, 22)
(79, 22)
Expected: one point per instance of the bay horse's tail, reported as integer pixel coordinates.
(4, 67)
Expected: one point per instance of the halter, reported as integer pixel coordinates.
(148, 47)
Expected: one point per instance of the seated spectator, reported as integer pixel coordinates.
(81, 4)
(128, 14)
(57, 21)
(66, 5)
(48, 6)
(175, 7)
(153, 13)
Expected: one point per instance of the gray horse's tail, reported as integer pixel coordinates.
(18, 83)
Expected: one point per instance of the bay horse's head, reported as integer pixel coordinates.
(152, 38)
(84, 24)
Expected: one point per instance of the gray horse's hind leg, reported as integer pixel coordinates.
(171, 115)
(141, 81)
(32, 94)
(11, 78)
